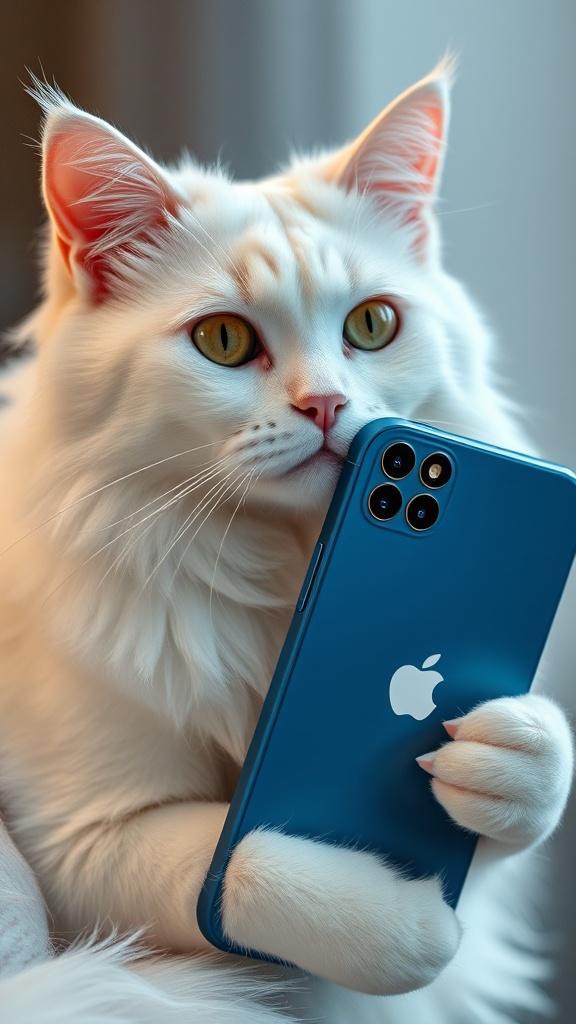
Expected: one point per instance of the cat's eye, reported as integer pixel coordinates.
(225, 339)
(371, 325)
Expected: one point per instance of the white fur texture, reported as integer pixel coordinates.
(384, 935)
(103, 983)
(506, 774)
(24, 935)
(158, 513)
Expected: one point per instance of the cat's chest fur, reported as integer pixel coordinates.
(200, 655)
(174, 673)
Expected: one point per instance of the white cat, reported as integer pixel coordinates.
(165, 465)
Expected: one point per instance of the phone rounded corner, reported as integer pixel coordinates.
(209, 920)
(568, 475)
(205, 916)
(565, 481)
(369, 432)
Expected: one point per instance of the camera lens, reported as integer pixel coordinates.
(385, 501)
(422, 512)
(398, 460)
(436, 470)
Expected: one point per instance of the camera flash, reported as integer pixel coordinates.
(436, 470)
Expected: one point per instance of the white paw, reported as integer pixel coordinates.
(508, 769)
(338, 913)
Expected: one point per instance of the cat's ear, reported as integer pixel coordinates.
(398, 158)
(104, 195)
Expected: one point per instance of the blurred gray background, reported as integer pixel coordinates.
(246, 80)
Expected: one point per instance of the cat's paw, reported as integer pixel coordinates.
(338, 913)
(507, 772)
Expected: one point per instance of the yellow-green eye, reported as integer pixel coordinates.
(225, 339)
(371, 325)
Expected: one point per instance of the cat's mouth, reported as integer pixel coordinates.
(324, 456)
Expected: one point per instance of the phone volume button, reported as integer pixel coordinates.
(310, 576)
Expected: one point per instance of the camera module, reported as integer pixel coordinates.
(422, 512)
(436, 470)
(385, 501)
(398, 460)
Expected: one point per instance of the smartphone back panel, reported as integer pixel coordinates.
(395, 631)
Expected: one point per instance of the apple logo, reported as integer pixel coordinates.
(411, 689)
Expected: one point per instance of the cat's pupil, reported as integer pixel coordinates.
(224, 337)
(368, 317)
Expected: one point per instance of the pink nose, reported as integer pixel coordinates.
(321, 408)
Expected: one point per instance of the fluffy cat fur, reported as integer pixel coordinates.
(158, 511)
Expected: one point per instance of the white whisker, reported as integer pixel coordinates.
(187, 523)
(187, 487)
(211, 463)
(468, 209)
(209, 475)
(221, 498)
(447, 423)
(105, 486)
(225, 534)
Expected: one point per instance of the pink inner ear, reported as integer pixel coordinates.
(427, 165)
(94, 183)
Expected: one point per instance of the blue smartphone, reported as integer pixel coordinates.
(432, 587)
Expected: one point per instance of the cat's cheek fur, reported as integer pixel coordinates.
(341, 914)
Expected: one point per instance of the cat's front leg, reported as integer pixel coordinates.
(507, 771)
(338, 913)
(143, 872)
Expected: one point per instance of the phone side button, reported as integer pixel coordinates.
(310, 575)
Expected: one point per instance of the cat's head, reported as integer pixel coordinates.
(259, 323)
